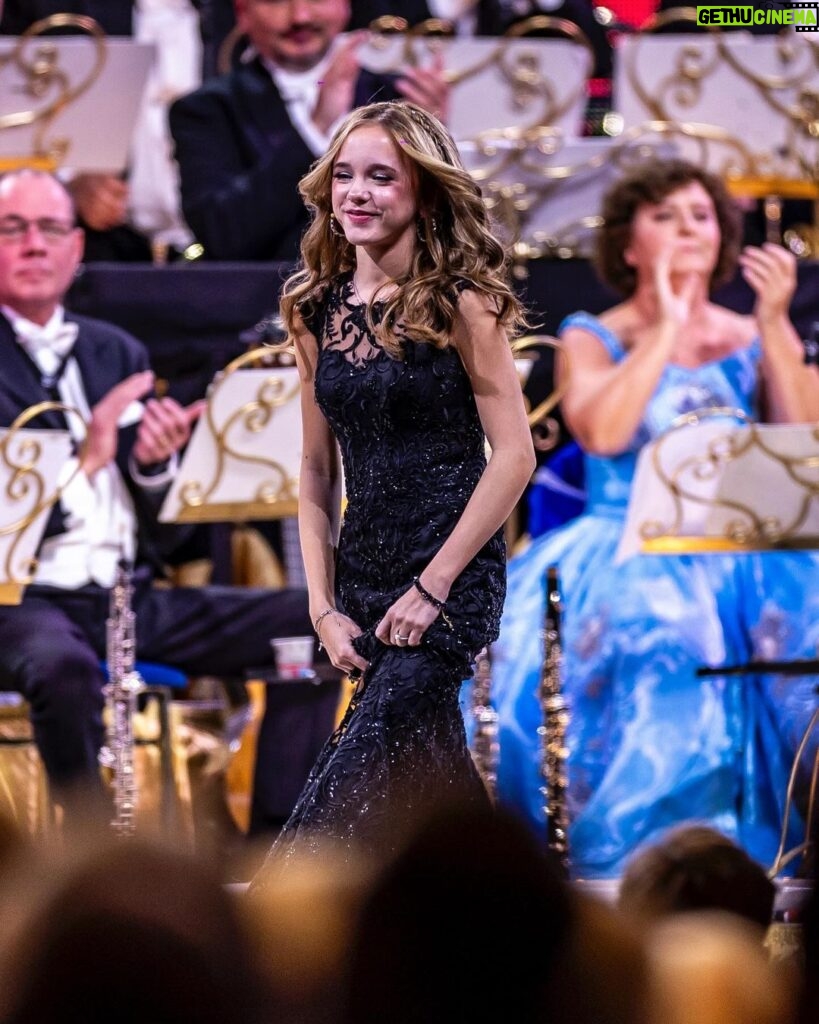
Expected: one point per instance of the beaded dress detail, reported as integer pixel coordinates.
(412, 448)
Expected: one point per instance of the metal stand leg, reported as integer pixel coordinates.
(170, 819)
(782, 858)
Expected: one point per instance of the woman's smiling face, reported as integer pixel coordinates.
(374, 192)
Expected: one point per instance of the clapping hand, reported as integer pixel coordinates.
(337, 90)
(164, 428)
(101, 200)
(427, 87)
(674, 306)
(101, 439)
(771, 271)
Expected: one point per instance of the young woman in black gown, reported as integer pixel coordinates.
(399, 316)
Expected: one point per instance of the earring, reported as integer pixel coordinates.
(335, 228)
(419, 227)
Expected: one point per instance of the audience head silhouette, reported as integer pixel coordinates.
(136, 933)
(696, 868)
(469, 885)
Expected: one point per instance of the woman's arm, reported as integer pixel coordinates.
(791, 389)
(484, 350)
(606, 401)
(319, 513)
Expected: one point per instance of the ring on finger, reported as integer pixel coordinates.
(400, 638)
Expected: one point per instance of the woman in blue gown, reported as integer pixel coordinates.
(649, 743)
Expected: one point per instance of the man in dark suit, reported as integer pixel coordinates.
(244, 140)
(52, 643)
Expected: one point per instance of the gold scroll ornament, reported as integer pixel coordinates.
(788, 95)
(37, 60)
(744, 527)
(531, 89)
(545, 428)
(25, 489)
(276, 495)
(522, 170)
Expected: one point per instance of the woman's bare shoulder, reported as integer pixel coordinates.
(740, 328)
(619, 319)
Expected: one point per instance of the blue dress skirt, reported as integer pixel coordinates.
(649, 743)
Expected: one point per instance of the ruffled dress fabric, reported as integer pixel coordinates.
(413, 451)
(649, 743)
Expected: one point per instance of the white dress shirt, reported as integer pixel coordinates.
(101, 523)
(172, 26)
(299, 90)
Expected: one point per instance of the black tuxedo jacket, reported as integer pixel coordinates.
(240, 161)
(105, 356)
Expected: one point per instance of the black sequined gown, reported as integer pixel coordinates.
(413, 451)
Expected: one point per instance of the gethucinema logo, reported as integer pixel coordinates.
(803, 17)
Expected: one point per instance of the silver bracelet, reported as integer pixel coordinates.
(317, 625)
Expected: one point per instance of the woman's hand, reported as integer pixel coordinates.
(771, 271)
(674, 307)
(406, 620)
(335, 633)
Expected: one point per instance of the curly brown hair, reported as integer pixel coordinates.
(455, 242)
(650, 183)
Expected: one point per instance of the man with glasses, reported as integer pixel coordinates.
(245, 139)
(51, 644)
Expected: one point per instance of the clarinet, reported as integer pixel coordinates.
(553, 730)
(485, 717)
(124, 684)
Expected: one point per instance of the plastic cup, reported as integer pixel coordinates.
(293, 656)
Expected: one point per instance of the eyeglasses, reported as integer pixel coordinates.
(15, 229)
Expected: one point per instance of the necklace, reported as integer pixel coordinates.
(356, 292)
(360, 298)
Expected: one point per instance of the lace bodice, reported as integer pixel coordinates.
(412, 448)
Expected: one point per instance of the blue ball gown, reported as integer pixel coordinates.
(649, 743)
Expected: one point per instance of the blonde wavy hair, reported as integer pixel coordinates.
(455, 243)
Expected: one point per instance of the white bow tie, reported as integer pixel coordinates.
(48, 348)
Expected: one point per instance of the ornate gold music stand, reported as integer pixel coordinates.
(31, 467)
(36, 59)
(31, 481)
(749, 105)
(712, 485)
(69, 101)
(243, 459)
(709, 484)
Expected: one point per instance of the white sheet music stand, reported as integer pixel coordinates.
(545, 191)
(243, 459)
(738, 104)
(31, 463)
(70, 101)
(497, 83)
(710, 485)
